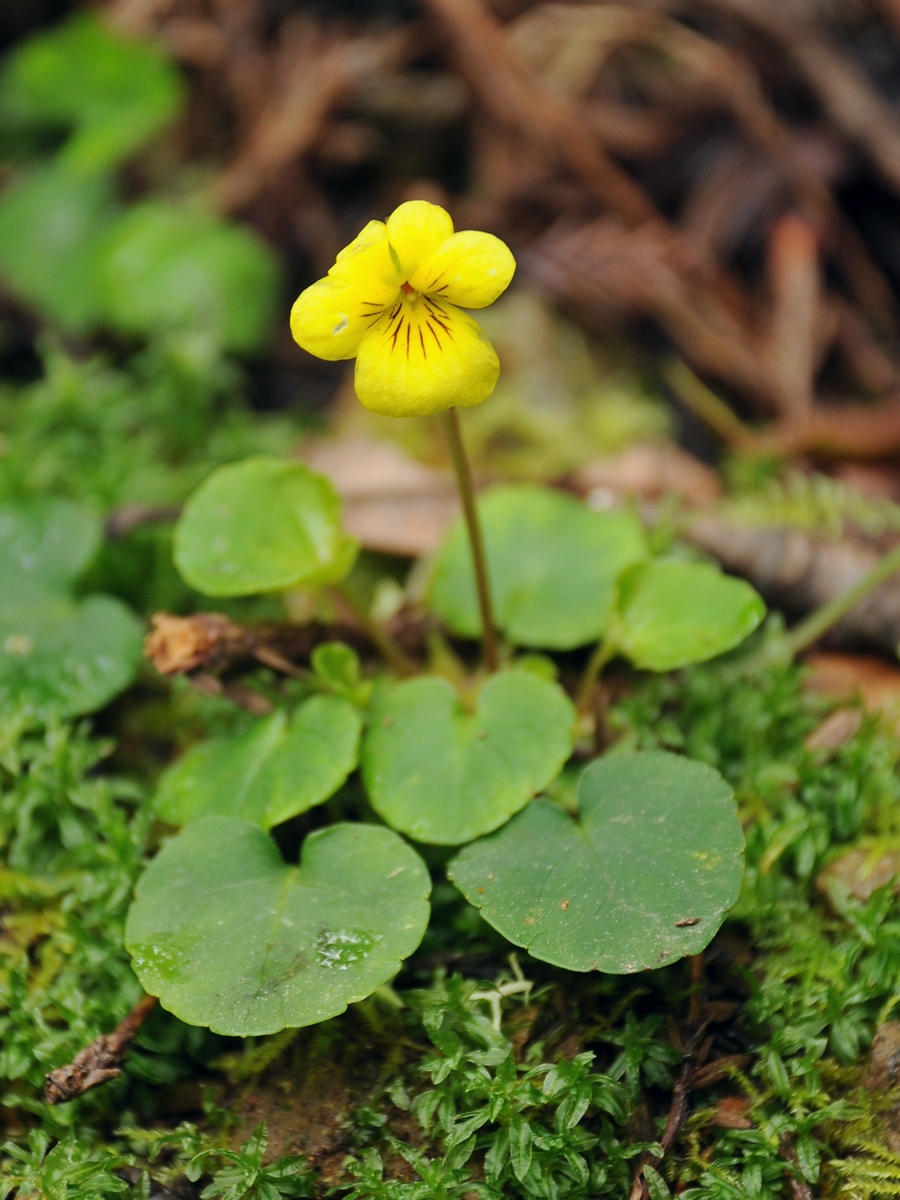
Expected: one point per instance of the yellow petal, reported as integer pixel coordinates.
(331, 317)
(470, 269)
(368, 258)
(415, 230)
(423, 356)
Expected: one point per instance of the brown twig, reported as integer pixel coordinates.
(518, 101)
(310, 73)
(799, 1187)
(100, 1061)
(207, 645)
(121, 521)
(794, 283)
(840, 431)
(205, 641)
(695, 1050)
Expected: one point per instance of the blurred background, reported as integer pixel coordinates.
(703, 197)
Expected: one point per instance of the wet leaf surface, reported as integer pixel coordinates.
(45, 542)
(72, 658)
(230, 936)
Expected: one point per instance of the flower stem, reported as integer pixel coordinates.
(476, 542)
(809, 630)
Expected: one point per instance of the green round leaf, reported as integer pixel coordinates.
(275, 770)
(112, 92)
(441, 774)
(671, 613)
(70, 658)
(337, 665)
(45, 542)
(228, 935)
(552, 563)
(168, 267)
(260, 526)
(642, 876)
(53, 224)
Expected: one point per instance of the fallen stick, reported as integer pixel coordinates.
(518, 101)
(800, 1189)
(100, 1061)
(210, 644)
(203, 641)
(842, 430)
(696, 1048)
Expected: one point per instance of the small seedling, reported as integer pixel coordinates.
(639, 873)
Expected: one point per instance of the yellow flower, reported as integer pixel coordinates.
(390, 301)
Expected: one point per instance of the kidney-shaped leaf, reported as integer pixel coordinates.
(671, 613)
(553, 565)
(230, 936)
(72, 658)
(113, 92)
(277, 769)
(167, 267)
(441, 774)
(45, 542)
(642, 875)
(53, 224)
(259, 526)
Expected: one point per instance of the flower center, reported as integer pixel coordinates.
(404, 287)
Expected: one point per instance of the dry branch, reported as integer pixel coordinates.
(311, 75)
(601, 270)
(795, 286)
(99, 1062)
(208, 645)
(694, 1052)
(852, 103)
(840, 431)
(204, 641)
(514, 99)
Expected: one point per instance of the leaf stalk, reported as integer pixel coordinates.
(811, 628)
(603, 652)
(389, 649)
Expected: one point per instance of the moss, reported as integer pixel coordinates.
(420, 1091)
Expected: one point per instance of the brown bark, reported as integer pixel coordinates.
(100, 1061)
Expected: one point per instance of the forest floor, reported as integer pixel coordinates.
(703, 203)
